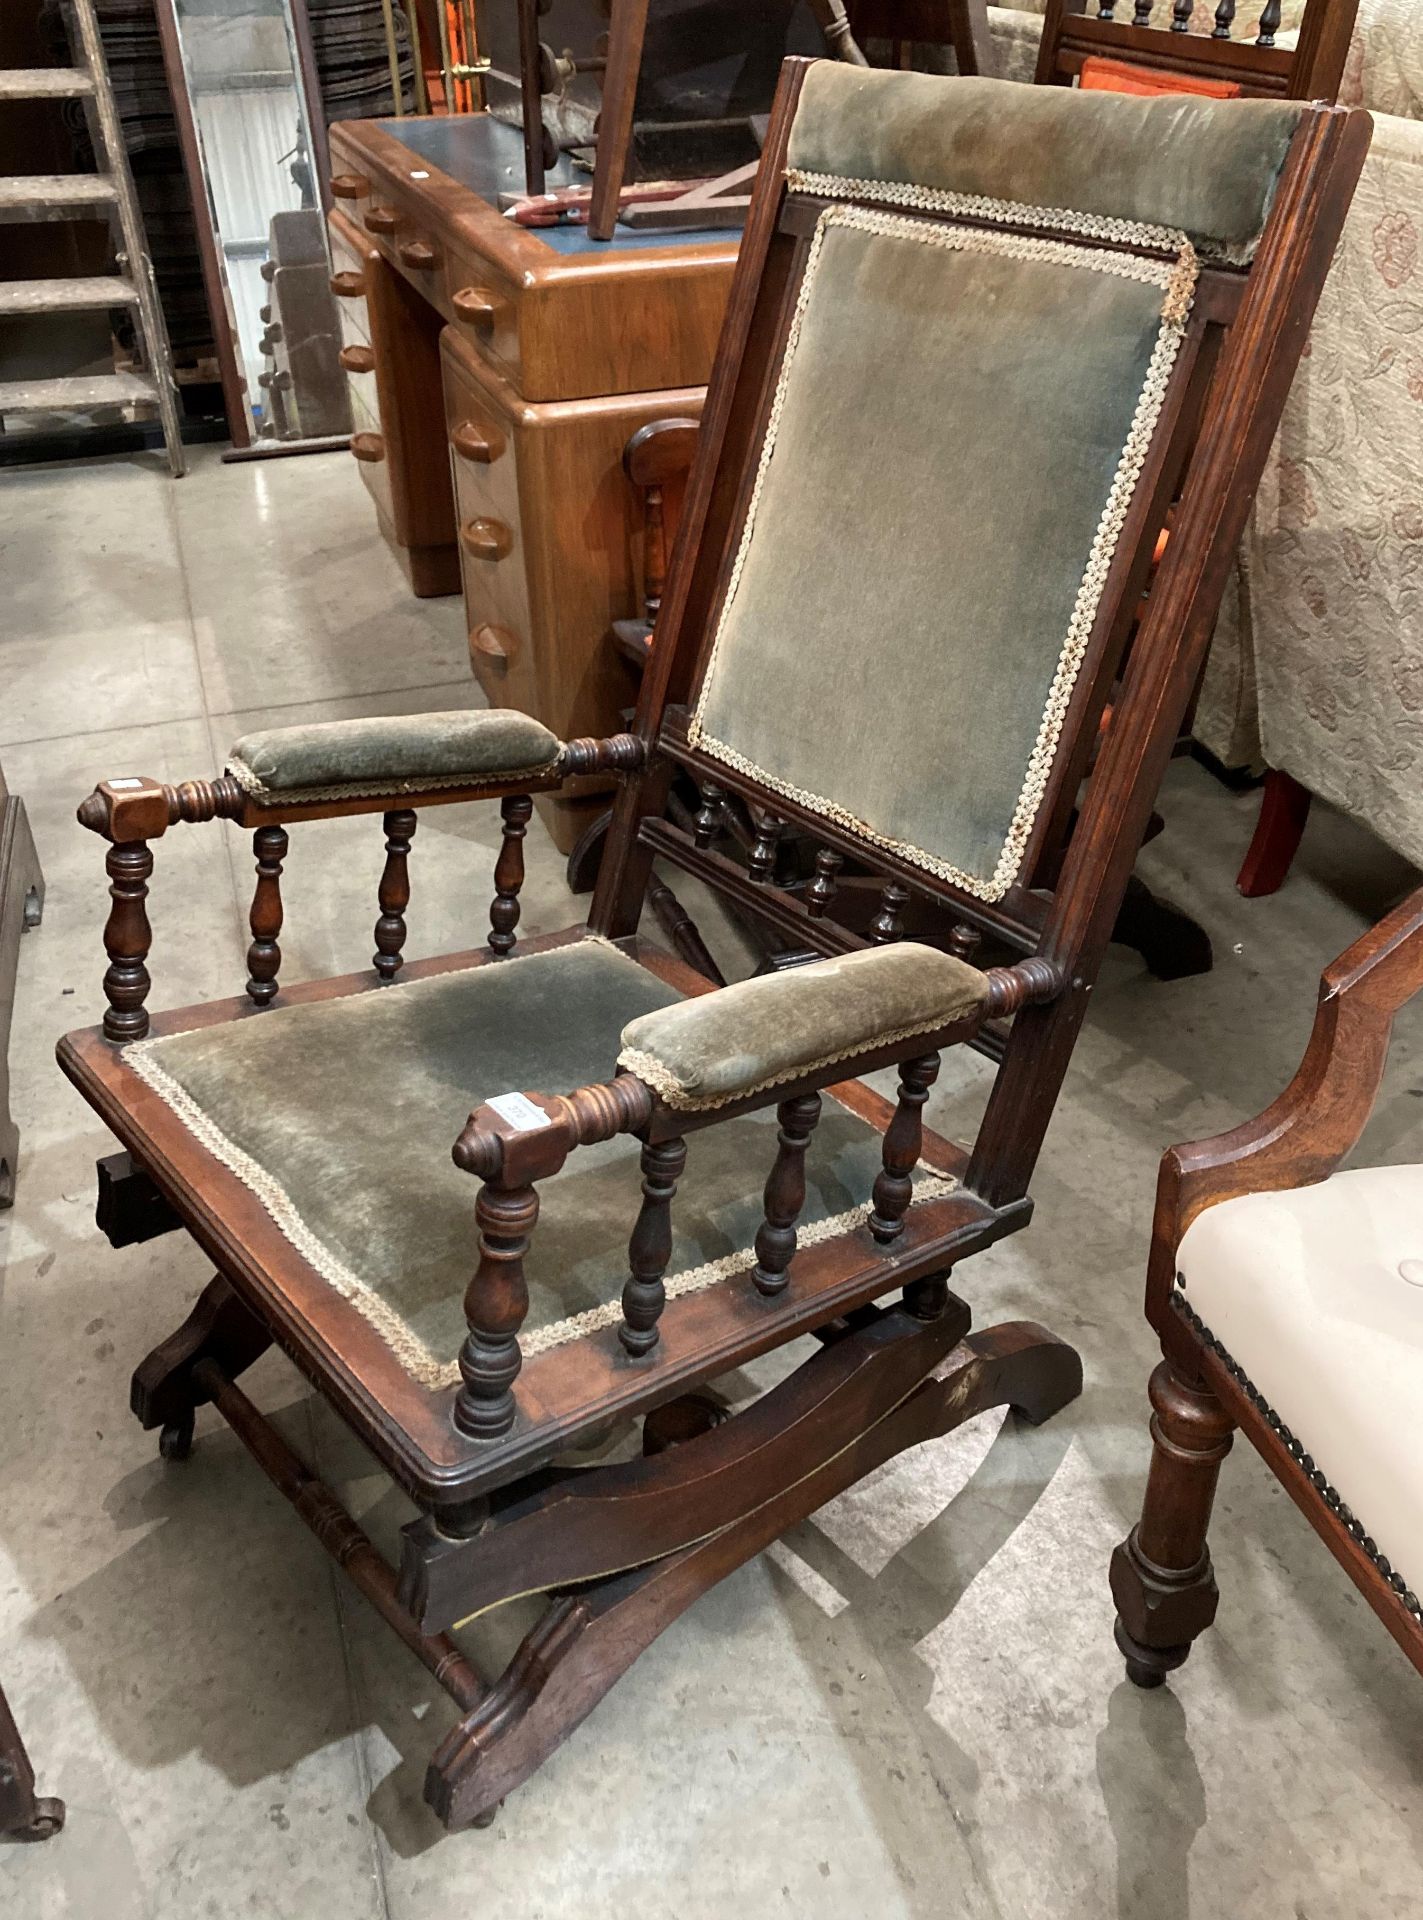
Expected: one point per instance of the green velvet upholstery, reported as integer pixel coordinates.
(341, 1115)
(1206, 167)
(719, 1047)
(393, 752)
(952, 422)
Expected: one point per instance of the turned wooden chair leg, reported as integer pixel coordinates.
(1284, 809)
(1162, 1578)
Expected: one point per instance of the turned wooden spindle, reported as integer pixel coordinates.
(824, 887)
(1106, 10)
(903, 1145)
(964, 940)
(785, 1195)
(1141, 13)
(264, 956)
(495, 1305)
(1224, 20)
(650, 1248)
(515, 811)
(1026, 982)
(838, 34)
(888, 923)
(619, 753)
(710, 819)
(1269, 23)
(127, 939)
(1181, 12)
(394, 894)
(761, 861)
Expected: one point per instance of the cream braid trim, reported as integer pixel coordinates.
(1177, 280)
(378, 790)
(978, 206)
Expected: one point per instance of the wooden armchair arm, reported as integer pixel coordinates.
(514, 1141)
(1301, 1138)
(131, 812)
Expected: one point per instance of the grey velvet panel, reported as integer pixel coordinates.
(353, 1106)
(750, 1035)
(415, 746)
(951, 428)
(1208, 167)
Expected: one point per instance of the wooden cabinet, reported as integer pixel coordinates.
(550, 548)
(494, 456)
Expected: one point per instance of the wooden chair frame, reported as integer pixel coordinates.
(624, 1549)
(1162, 1578)
(1312, 70)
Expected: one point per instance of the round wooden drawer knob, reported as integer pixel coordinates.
(369, 447)
(380, 220)
(350, 186)
(486, 539)
(480, 444)
(358, 359)
(349, 286)
(418, 256)
(476, 304)
(493, 644)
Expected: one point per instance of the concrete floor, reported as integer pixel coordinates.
(911, 1707)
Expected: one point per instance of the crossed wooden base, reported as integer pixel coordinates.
(621, 1551)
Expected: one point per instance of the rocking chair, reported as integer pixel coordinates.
(905, 334)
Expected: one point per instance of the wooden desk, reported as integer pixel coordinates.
(494, 460)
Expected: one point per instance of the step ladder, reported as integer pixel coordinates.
(73, 196)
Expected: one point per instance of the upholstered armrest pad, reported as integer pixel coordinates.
(392, 754)
(722, 1046)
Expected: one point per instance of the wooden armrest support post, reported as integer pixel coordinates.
(1301, 1138)
(130, 813)
(509, 1148)
(512, 1143)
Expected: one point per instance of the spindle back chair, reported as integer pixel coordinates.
(907, 309)
(1239, 49)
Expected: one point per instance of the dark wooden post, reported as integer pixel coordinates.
(1162, 1579)
(127, 939)
(650, 1248)
(394, 894)
(710, 818)
(888, 923)
(761, 861)
(785, 1194)
(495, 1304)
(824, 887)
(264, 956)
(1269, 23)
(903, 1145)
(509, 873)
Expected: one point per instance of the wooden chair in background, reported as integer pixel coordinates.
(1159, 37)
(1286, 1295)
(300, 1134)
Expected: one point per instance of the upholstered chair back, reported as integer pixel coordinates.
(995, 292)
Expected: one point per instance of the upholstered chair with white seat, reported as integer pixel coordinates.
(1289, 1300)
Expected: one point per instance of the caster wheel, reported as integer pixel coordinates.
(488, 1817)
(49, 1818)
(176, 1440)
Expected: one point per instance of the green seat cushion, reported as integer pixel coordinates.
(341, 1114)
(393, 752)
(1207, 168)
(721, 1046)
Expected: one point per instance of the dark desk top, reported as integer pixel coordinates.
(487, 156)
